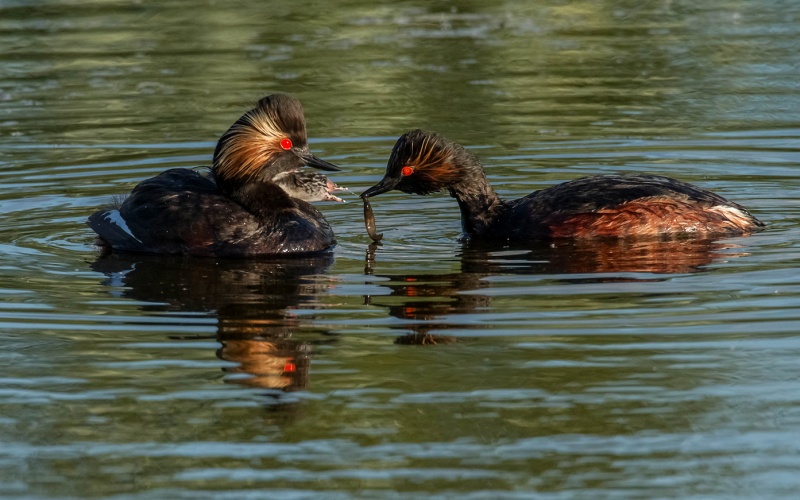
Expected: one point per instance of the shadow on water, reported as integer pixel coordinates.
(252, 300)
(426, 297)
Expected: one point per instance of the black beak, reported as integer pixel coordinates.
(386, 184)
(313, 161)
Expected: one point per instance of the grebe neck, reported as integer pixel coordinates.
(260, 197)
(478, 202)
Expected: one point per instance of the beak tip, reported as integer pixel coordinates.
(383, 186)
(313, 161)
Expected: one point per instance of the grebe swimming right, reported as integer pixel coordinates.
(597, 206)
(240, 209)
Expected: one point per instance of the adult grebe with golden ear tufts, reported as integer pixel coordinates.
(597, 206)
(238, 210)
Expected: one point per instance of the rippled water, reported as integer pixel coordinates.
(423, 367)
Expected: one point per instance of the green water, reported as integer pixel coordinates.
(665, 371)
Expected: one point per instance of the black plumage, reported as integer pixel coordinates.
(602, 205)
(235, 211)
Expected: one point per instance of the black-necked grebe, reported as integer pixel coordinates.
(308, 186)
(597, 206)
(239, 210)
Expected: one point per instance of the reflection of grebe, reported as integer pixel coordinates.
(598, 206)
(267, 363)
(423, 300)
(606, 256)
(238, 211)
(251, 299)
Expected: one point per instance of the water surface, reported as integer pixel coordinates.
(424, 366)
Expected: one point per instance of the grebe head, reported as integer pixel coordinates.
(265, 141)
(422, 163)
(308, 186)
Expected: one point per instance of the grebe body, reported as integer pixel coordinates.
(237, 210)
(596, 206)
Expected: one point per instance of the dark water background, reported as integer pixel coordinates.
(565, 372)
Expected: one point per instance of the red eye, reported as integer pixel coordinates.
(286, 143)
(406, 171)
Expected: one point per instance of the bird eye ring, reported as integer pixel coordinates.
(286, 143)
(406, 171)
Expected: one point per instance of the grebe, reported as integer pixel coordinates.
(238, 210)
(308, 186)
(598, 206)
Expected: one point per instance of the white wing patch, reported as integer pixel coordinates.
(114, 217)
(735, 216)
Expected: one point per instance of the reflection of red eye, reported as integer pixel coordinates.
(406, 171)
(286, 144)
